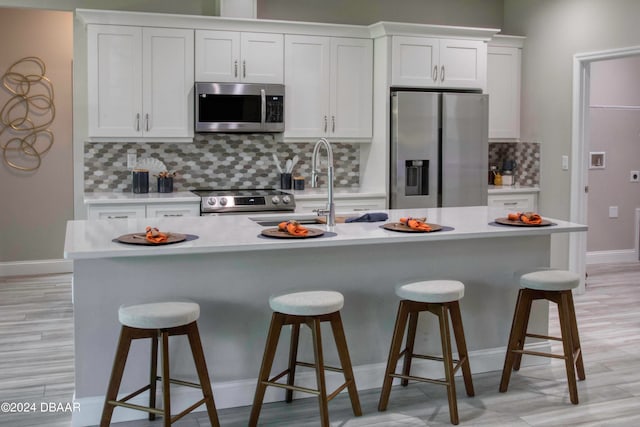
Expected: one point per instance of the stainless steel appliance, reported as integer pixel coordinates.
(239, 107)
(242, 201)
(439, 149)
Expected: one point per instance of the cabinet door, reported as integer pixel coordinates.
(155, 210)
(114, 67)
(116, 211)
(217, 56)
(167, 67)
(463, 64)
(262, 58)
(351, 88)
(503, 87)
(414, 61)
(306, 78)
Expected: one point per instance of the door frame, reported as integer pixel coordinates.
(580, 150)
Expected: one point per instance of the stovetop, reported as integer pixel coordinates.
(244, 200)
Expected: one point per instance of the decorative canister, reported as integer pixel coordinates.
(140, 179)
(165, 184)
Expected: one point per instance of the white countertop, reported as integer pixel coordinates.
(87, 239)
(128, 198)
(512, 189)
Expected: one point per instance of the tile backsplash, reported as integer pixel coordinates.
(525, 154)
(215, 160)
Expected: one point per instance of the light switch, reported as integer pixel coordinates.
(565, 163)
(613, 212)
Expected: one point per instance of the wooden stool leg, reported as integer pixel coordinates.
(120, 360)
(394, 353)
(345, 361)
(519, 321)
(153, 376)
(293, 358)
(461, 344)
(319, 362)
(528, 301)
(203, 373)
(411, 338)
(443, 318)
(277, 321)
(575, 338)
(567, 344)
(166, 393)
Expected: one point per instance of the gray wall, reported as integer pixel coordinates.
(469, 13)
(36, 205)
(616, 132)
(556, 30)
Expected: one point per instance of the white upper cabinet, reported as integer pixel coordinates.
(140, 81)
(437, 62)
(329, 87)
(229, 56)
(503, 86)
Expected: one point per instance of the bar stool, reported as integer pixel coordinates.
(555, 286)
(310, 308)
(159, 321)
(439, 297)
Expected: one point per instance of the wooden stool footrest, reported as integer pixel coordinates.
(124, 404)
(326, 368)
(307, 390)
(421, 379)
(544, 337)
(539, 353)
(458, 363)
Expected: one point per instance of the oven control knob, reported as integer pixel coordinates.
(223, 201)
(211, 201)
(286, 199)
(275, 200)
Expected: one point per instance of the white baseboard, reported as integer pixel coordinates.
(37, 267)
(240, 393)
(605, 257)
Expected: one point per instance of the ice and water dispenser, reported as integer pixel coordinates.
(417, 178)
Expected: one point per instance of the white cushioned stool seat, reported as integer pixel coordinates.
(309, 303)
(550, 280)
(433, 291)
(159, 315)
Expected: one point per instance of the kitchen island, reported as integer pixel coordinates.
(230, 269)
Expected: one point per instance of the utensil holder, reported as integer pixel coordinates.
(165, 184)
(285, 181)
(140, 180)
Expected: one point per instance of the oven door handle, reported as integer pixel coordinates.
(263, 110)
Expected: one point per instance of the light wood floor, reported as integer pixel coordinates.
(36, 365)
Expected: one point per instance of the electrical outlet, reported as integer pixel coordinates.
(634, 176)
(613, 212)
(565, 163)
(131, 160)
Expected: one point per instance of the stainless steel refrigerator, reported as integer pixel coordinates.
(439, 149)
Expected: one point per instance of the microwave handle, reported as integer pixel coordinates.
(263, 110)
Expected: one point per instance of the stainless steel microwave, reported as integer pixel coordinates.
(239, 107)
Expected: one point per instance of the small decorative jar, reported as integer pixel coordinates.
(165, 182)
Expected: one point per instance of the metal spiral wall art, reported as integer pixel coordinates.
(26, 116)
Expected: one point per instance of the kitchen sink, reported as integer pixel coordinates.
(272, 221)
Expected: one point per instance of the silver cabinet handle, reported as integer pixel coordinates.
(442, 73)
(172, 215)
(435, 73)
(263, 108)
(244, 69)
(146, 121)
(333, 124)
(138, 122)
(117, 216)
(325, 123)
(235, 68)
(510, 203)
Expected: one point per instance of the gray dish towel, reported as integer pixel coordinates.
(369, 217)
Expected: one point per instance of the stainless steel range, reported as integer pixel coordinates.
(229, 201)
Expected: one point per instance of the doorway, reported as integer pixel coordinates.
(580, 149)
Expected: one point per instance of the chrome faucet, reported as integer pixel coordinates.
(330, 211)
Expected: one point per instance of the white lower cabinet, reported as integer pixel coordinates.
(522, 202)
(119, 211)
(342, 205)
(142, 210)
